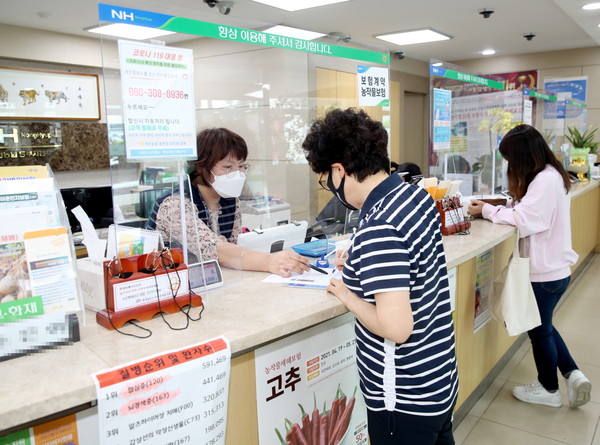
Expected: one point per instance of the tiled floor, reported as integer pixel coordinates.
(499, 418)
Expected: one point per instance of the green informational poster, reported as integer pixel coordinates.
(20, 438)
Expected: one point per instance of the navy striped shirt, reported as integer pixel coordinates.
(398, 247)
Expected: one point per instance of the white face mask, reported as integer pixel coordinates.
(229, 186)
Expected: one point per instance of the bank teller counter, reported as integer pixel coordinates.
(252, 313)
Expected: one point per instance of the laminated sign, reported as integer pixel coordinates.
(307, 387)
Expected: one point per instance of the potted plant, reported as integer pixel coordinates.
(490, 165)
(583, 140)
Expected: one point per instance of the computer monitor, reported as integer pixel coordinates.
(274, 239)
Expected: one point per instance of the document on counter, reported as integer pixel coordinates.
(173, 397)
(310, 279)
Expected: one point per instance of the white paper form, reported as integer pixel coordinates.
(310, 279)
(174, 397)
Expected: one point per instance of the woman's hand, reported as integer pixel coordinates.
(284, 263)
(339, 289)
(475, 207)
(339, 261)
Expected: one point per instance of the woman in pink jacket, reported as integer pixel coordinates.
(539, 187)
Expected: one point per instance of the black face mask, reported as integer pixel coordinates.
(339, 192)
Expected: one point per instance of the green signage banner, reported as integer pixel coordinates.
(576, 104)
(117, 14)
(540, 95)
(464, 77)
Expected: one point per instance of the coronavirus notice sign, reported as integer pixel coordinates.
(157, 86)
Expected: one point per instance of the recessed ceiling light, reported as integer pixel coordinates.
(488, 52)
(591, 6)
(297, 5)
(296, 33)
(414, 36)
(127, 31)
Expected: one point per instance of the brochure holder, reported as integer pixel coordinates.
(140, 287)
(40, 299)
(452, 216)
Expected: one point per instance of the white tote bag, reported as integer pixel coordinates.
(514, 302)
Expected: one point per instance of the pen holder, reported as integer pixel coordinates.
(141, 286)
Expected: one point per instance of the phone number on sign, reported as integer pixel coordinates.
(157, 93)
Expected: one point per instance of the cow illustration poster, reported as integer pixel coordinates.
(40, 94)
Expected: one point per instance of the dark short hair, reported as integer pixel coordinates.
(527, 154)
(410, 168)
(212, 145)
(351, 138)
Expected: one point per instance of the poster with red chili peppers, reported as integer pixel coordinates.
(307, 388)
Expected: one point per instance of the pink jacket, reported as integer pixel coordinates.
(544, 215)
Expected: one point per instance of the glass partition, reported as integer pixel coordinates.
(265, 88)
(575, 159)
(467, 125)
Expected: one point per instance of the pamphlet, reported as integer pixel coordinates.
(124, 241)
(51, 269)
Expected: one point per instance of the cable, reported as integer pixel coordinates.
(106, 282)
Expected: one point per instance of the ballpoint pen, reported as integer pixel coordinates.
(318, 269)
(345, 251)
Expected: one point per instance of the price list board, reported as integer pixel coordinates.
(178, 397)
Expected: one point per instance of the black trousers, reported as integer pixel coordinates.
(393, 428)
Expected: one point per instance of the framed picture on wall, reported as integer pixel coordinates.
(48, 95)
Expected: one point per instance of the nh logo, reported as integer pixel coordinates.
(14, 136)
(122, 15)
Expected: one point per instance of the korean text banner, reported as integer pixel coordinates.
(117, 14)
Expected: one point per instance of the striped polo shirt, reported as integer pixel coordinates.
(398, 247)
(226, 214)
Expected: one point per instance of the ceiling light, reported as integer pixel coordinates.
(591, 6)
(414, 36)
(297, 5)
(437, 64)
(488, 52)
(296, 33)
(127, 31)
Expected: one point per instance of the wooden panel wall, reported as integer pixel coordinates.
(477, 353)
(585, 224)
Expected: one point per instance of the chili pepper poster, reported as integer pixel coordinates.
(307, 388)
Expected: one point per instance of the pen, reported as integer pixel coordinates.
(329, 254)
(318, 269)
(345, 251)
